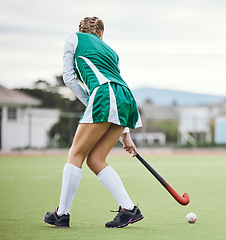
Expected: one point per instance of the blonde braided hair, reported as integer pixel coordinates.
(91, 25)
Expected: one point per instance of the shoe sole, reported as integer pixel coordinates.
(55, 225)
(129, 222)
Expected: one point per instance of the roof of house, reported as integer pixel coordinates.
(16, 98)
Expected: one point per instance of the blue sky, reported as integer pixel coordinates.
(165, 44)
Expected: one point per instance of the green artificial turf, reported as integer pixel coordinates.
(30, 186)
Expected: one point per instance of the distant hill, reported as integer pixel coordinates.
(168, 97)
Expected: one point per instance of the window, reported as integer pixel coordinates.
(12, 113)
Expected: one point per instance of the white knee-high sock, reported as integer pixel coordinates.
(111, 180)
(70, 182)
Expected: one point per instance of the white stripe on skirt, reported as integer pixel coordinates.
(113, 114)
(138, 123)
(88, 116)
(113, 111)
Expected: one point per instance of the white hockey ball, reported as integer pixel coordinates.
(191, 217)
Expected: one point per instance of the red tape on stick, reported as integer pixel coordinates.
(182, 200)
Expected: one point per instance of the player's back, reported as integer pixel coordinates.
(96, 62)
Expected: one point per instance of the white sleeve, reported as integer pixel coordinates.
(69, 75)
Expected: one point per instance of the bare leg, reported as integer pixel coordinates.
(106, 174)
(86, 137)
(98, 154)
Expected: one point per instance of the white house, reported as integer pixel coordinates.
(22, 124)
(196, 123)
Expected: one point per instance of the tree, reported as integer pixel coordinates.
(41, 84)
(61, 134)
(60, 81)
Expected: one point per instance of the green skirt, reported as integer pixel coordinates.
(113, 103)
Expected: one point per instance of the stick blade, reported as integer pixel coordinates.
(185, 200)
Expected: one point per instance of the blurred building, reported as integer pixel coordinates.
(202, 124)
(194, 124)
(218, 115)
(220, 130)
(22, 123)
(154, 118)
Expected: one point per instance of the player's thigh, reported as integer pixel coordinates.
(86, 137)
(105, 144)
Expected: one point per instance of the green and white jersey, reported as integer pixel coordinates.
(95, 62)
(107, 97)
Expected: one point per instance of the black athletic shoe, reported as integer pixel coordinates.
(125, 217)
(58, 221)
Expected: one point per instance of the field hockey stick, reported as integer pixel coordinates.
(182, 200)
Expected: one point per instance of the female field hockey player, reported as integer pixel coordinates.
(110, 111)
